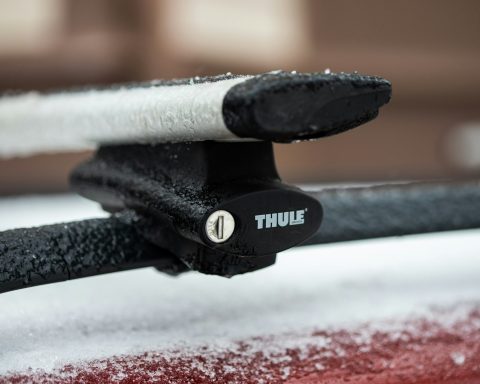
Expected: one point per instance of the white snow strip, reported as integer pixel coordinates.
(333, 286)
(29, 211)
(32, 123)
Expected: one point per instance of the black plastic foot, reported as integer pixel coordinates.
(210, 201)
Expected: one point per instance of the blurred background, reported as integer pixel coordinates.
(429, 50)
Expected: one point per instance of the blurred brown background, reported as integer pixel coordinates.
(429, 49)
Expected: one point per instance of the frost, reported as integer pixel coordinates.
(458, 358)
(33, 123)
(310, 291)
(285, 372)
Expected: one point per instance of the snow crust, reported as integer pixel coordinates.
(33, 123)
(340, 286)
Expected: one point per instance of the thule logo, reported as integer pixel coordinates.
(280, 219)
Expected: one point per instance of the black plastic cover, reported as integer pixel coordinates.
(285, 106)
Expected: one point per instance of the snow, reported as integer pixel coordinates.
(28, 211)
(338, 286)
(34, 123)
(458, 358)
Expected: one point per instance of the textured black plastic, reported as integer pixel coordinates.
(284, 106)
(176, 183)
(59, 252)
(52, 253)
(272, 200)
(182, 184)
(198, 257)
(395, 210)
